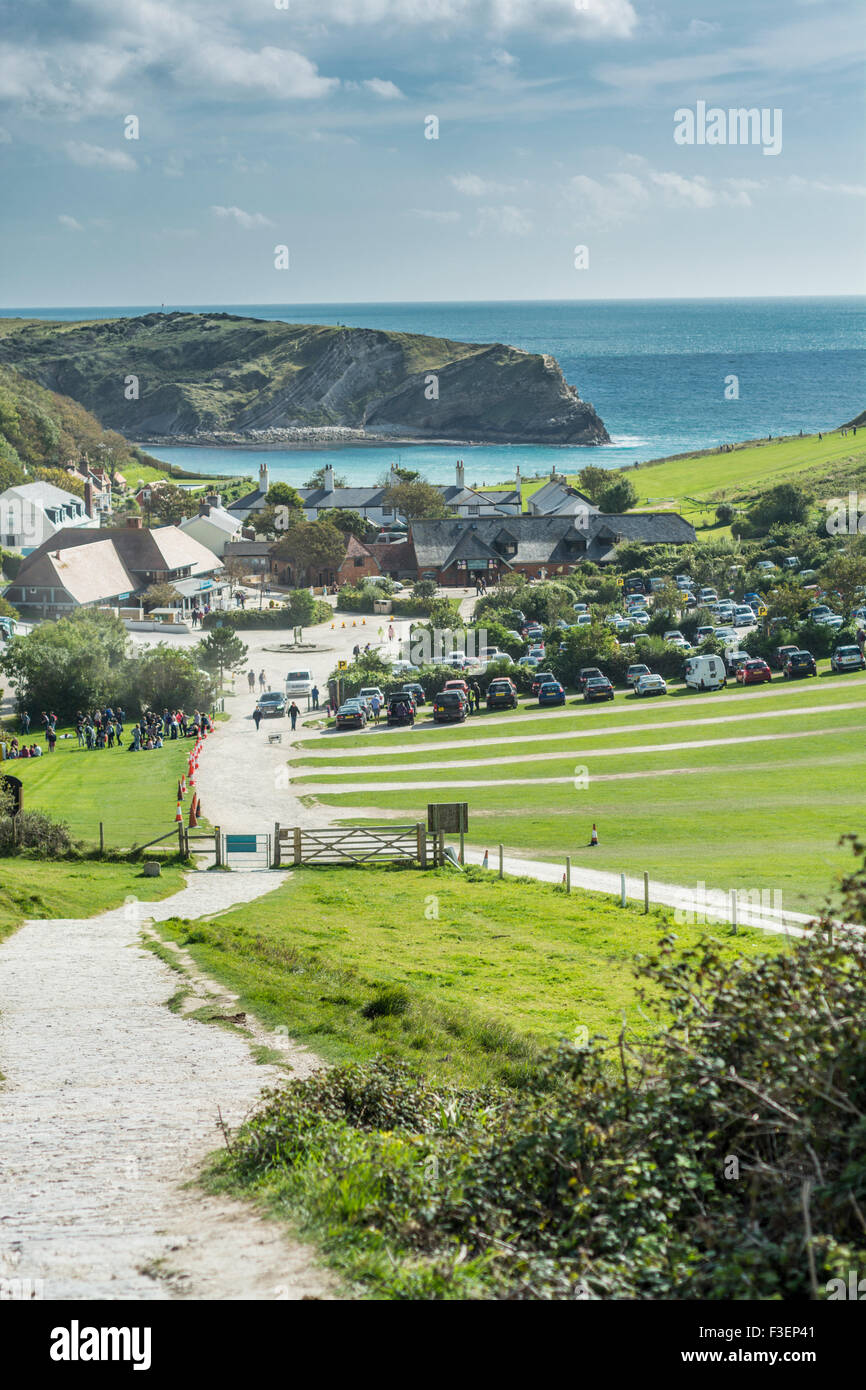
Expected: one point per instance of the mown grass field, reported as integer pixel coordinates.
(695, 484)
(133, 794)
(42, 888)
(464, 976)
(758, 796)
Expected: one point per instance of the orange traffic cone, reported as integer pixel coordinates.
(193, 820)
(180, 791)
(593, 839)
(182, 785)
(563, 878)
(178, 815)
(485, 860)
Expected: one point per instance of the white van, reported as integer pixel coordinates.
(705, 673)
(298, 683)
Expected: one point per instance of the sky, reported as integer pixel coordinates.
(161, 151)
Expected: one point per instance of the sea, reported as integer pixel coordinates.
(666, 376)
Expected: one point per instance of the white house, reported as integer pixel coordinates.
(31, 513)
(212, 526)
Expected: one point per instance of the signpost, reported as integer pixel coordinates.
(448, 817)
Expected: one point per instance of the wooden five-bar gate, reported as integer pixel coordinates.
(358, 844)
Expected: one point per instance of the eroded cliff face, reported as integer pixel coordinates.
(170, 375)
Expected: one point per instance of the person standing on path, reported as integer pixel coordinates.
(314, 696)
(375, 705)
(294, 711)
(475, 691)
(262, 680)
(390, 632)
(251, 680)
(257, 716)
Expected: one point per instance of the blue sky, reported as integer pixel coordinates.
(304, 126)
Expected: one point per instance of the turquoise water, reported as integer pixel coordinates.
(655, 371)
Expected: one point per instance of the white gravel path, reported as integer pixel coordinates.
(110, 1102)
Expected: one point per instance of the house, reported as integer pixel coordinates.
(558, 498)
(32, 513)
(213, 526)
(358, 563)
(453, 552)
(255, 556)
(78, 568)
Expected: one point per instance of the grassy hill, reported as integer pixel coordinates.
(220, 372)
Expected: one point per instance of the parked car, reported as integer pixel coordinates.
(656, 583)
(401, 708)
(598, 688)
(709, 596)
(404, 668)
(704, 632)
(539, 678)
(416, 690)
(674, 635)
(537, 651)
(705, 673)
(792, 562)
(369, 692)
(734, 660)
(502, 694)
(534, 632)
(681, 642)
(583, 620)
(651, 684)
(529, 662)
(744, 617)
(457, 684)
(351, 715)
(765, 565)
(450, 707)
(272, 704)
(580, 608)
(800, 664)
(585, 674)
(847, 659)
(551, 693)
(754, 672)
(635, 671)
(780, 656)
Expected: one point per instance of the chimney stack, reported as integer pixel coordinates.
(134, 523)
(88, 498)
(264, 484)
(329, 478)
(460, 482)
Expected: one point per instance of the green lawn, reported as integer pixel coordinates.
(42, 888)
(133, 794)
(764, 814)
(479, 971)
(694, 484)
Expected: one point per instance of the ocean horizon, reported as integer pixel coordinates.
(667, 376)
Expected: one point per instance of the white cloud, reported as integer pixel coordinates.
(96, 157)
(280, 72)
(548, 18)
(473, 186)
(610, 200)
(247, 220)
(382, 88)
(849, 190)
(70, 223)
(623, 194)
(506, 220)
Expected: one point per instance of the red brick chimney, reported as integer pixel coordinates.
(134, 523)
(88, 498)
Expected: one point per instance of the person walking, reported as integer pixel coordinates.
(390, 632)
(262, 680)
(294, 711)
(251, 681)
(475, 690)
(314, 696)
(257, 716)
(375, 706)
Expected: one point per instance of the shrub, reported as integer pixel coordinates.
(37, 832)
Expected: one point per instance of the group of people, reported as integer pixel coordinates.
(14, 749)
(198, 614)
(251, 680)
(153, 728)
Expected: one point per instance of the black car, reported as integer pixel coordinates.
(540, 678)
(588, 673)
(450, 707)
(598, 688)
(800, 664)
(413, 688)
(401, 709)
(502, 694)
(780, 657)
(272, 704)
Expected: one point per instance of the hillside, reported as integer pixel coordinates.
(218, 373)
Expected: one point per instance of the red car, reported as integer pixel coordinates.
(754, 672)
(540, 678)
(457, 684)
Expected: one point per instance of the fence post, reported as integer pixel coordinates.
(296, 836)
(421, 840)
(101, 837)
(645, 891)
(501, 863)
(622, 890)
(568, 873)
(461, 847)
(218, 846)
(734, 909)
(276, 844)
(180, 840)
(441, 848)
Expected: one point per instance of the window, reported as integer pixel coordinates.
(359, 560)
(474, 509)
(387, 511)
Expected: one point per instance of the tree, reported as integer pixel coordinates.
(161, 595)
(845, 575)
(416, 500)
(617, 496)
(169, 504)
(592, 480)
(221, 650)
(58, 477)
(312, 545)
(351, 523)
(75, 663)
(786, 503)
(725, 513)
(318, 479)
(276, 520)
(165, 678)
(234, 571)
(283, 495)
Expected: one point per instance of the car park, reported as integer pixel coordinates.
(450, 707)
(847, 659)
(598, 688)
(799, 664)
(754, 672)
(351, 715)
(587, 673)
(400, 709)
(272, 704)
(551, 693)
(705, 673)
(651, 684)
(502, 694)
(539, 679)
(635, 671)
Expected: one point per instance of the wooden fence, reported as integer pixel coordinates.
(358, 844)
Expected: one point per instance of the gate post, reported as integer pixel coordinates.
(296, 835)
(276, 844)
(421, 837)
(218, 846)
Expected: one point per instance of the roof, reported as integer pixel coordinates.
(238, 549)
(541, 540)
(218, 517)
(89, 573)
(142, 549)
(250, 501)
(393, 555)
(557, 496)
(355, 549)
(44, 495)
